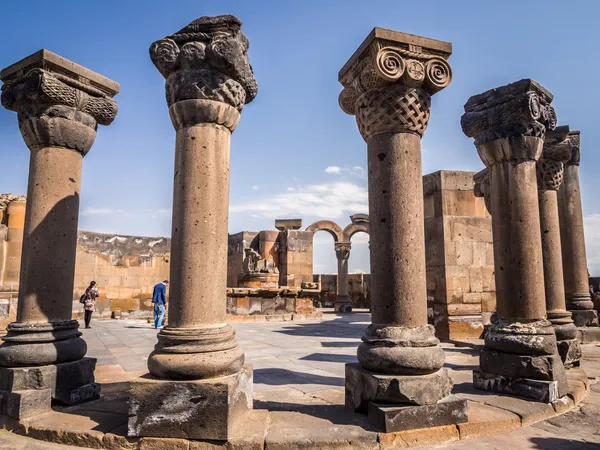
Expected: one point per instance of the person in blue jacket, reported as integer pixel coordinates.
(159, 298)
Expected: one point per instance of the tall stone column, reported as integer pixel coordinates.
(572, 238)
(198, 386)
(520, 355)
(556, 151)
(59, 106)
(388, 84)
(342, 299)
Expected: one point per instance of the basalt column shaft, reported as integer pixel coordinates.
(520, 355)
(573, 241)
(58, 112)
(388, 84)
(208, 81)
(550, 174)
(342, 299)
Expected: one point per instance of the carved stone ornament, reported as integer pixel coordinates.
(57, 110)
(342, 250)
(557, 152)
(518, 109)
(206, 60)
(389, 81)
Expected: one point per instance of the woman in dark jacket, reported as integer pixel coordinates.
(89, 302)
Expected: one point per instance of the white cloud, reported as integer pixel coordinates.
(291, 189)
(591, 224)
(333, 169)
(255, 188)
(360, 239)
(97, 211)
(329, 200)
(358, 171)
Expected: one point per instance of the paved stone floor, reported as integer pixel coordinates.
(299, 368)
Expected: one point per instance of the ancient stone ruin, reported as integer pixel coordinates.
(493, 261)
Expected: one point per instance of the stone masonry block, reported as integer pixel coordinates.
(75, 382)
(24, 404)
(508, 365)
(387, 418)
(208, 409)
(539, 390)
(27, 378)
(363, 387)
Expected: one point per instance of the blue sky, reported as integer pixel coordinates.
(295, 153)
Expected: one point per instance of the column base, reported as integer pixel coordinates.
(585, 317)
(209, 409)
(538, 390)
(29, 391)
(364, 387)
(449, 411)
(342, 304)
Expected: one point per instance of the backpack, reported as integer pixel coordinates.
(82, 298)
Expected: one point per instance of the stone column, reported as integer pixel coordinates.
(59, 106)
(342, 300)
(520, 356)
(550, 176)
(208, 81)
(388, 84)
(572, 238)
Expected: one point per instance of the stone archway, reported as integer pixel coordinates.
(341, 238)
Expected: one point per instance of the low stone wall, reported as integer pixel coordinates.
(271, 304)
(359, 289)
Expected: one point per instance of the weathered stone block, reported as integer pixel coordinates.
(75, 382)
(399, 418)
(585, 318)
(363, 387)
(25, 404)
(27, 378)
(208, 409)
(538, 390)
(570, 352)
(508, 365)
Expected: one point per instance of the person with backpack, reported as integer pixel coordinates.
(89, 302)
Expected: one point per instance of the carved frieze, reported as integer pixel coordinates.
(389, 82)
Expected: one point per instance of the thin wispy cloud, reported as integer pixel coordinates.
(333, 169)
(355, 171)
(329, 200)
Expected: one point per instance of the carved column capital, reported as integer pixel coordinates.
(208, 76)
(517, 110)
(59, 103)
(342, 250)
(482, 187)
(556, 153)
(574, 142)
(389, 81)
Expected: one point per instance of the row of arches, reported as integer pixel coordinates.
(342, 245)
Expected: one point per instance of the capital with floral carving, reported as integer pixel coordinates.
(389, 80)
(208, 76)
(509, 123)
(557, 151)
(58, 103)
(342, 250)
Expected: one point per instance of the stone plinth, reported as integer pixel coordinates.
(509, 124)
(197, 367)
(258, 280)
(59, 106)
(270, 302)
(388, 84)
(210, 409)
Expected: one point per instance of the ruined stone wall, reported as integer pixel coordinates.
(459, 254)
(359, 288)
(235, 254)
